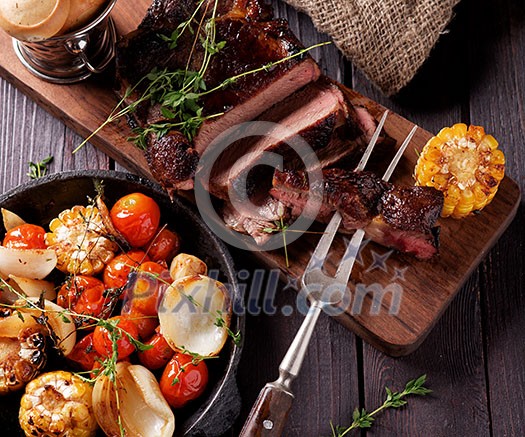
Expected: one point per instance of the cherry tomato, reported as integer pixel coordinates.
(183, 381)
(159, 355)
(117, 271)
(84, 354)
(136, 217)
(146, 293)
(164, 246)
(83, 295)
(102, 338)
(25, 236)
(145, 324)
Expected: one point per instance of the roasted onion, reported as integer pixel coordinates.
(11, 220)
(187, 265)
(35, 287)
(27, 263)
(194, 315)
(142, 409)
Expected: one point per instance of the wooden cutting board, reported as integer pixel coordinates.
(422, 289)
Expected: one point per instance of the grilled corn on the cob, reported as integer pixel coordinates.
(78, 236)
(59, 404)
(464, 163)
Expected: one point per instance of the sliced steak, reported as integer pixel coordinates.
(406, 220)
(253, 40)
(318, 114)
(354, 194)
(402, 218)
(255, 222)
(249, 46)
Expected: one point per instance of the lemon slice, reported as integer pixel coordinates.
(33, 20)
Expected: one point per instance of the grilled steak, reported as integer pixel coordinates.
(402, 218)
(253, 39)
(317, 114)
(406, 220)
(355, 195)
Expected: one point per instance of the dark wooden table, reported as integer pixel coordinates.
(475, 357)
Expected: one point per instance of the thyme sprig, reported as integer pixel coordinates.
(363, 419)
(39, 169)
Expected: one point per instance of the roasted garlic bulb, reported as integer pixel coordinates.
(22, 356)
(59, 404)
(80, 240)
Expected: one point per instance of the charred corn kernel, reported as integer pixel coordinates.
(466, 164)
(78, 236)
(59, 404)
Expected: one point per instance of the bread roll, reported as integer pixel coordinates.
(80, 13)
(33, 20)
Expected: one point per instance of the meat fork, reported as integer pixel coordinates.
(269, 413)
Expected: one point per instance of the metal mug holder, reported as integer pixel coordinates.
(72, 57)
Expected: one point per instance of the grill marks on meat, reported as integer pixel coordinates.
(402, 218)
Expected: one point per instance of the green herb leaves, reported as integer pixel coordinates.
(39, 169)
(363, 419)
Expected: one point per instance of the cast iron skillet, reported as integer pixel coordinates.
(40, 201)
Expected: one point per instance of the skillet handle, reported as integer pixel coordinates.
(269, 413)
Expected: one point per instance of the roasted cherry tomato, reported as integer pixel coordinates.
(136, 217)
(164, 246)
(159, 355)
(25, 236)
(102, 338)
(183, 381)
(146, 292)
(84, 354)
(117, 271)
(83, 295)
(145, 324)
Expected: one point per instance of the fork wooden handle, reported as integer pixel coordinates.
(269, 413)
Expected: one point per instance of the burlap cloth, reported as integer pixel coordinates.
(387, 39)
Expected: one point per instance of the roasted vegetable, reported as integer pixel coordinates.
(80, 240)
(22, 350)
(187, 265)
(465, 164)
(195, 314)
(59, 404)
(140, 406)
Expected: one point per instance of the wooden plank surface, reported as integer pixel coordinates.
(457, 371)
(86, 105)
(475, 356)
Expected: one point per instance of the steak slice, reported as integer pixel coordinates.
(255, 222)
(401, 218)
(355, 195)
(249, 46)
(319, 114)
(406, 220)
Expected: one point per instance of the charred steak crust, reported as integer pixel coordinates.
(173, 161)
(355, 195)
(411, 208)
(402, 218)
